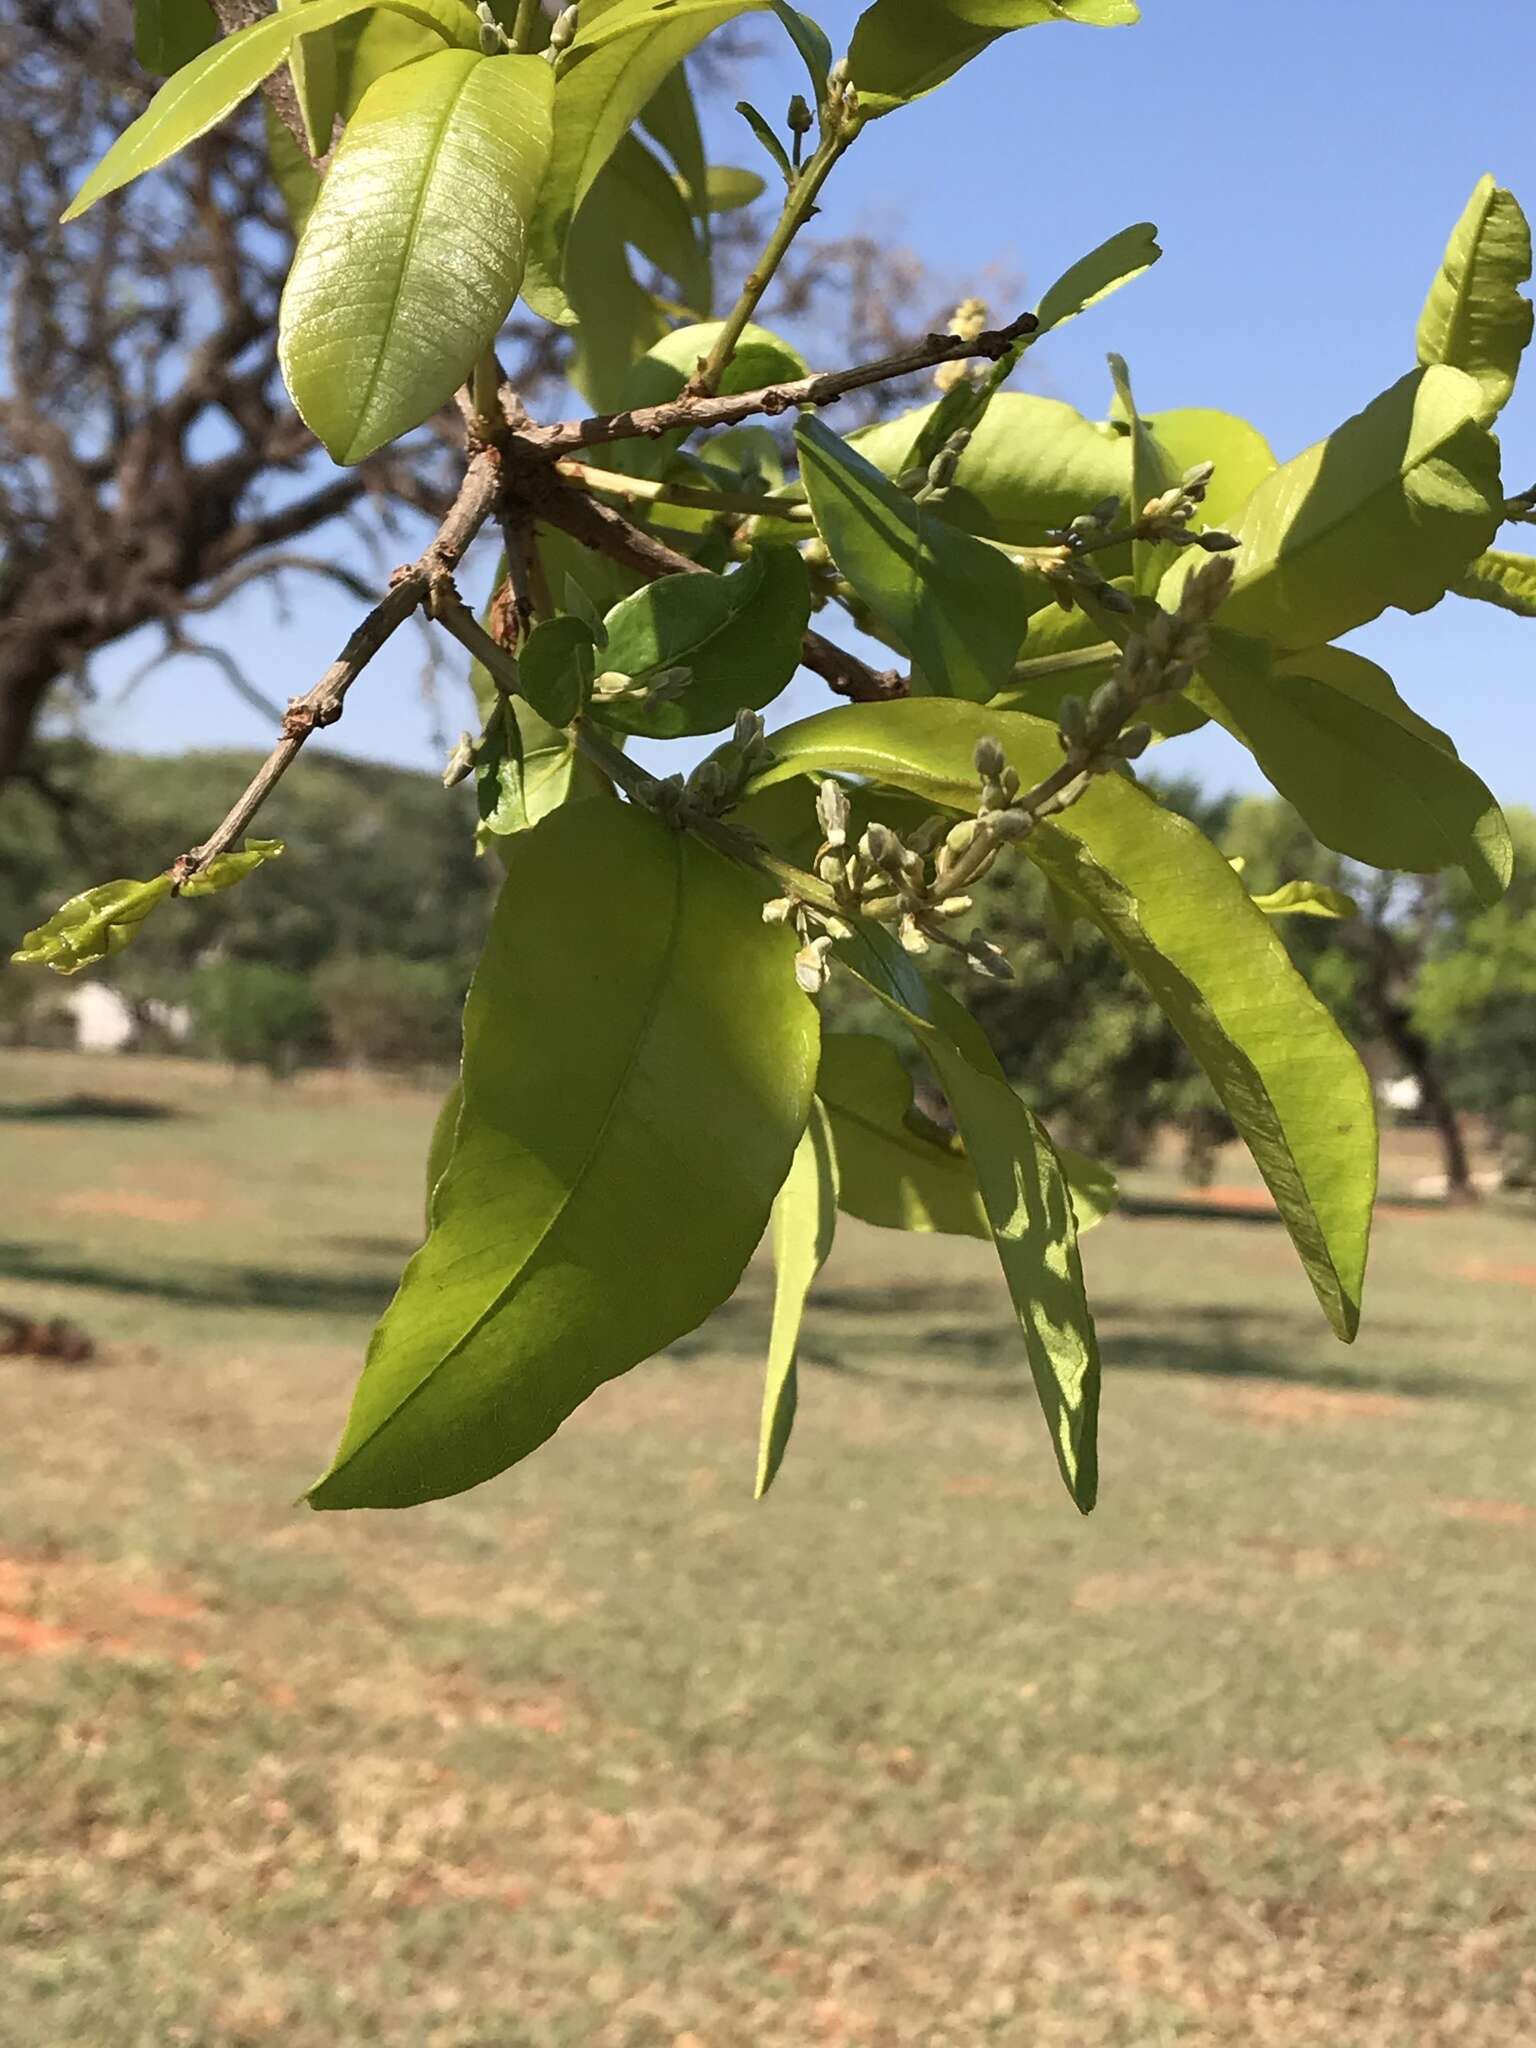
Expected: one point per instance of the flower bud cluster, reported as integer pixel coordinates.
(1166, 518)
(658, 686)
(718, 781)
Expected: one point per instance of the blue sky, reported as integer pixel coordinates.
(1304, 160)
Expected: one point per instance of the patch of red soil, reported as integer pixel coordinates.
(1242, 1200)
(135, 1204)
(1491, 1269)
(1276, 1403)
(1508, 1514)
(92, 1612)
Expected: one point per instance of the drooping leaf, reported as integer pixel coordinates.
(1476, 317)
(904, 48)
(804, 1220)
(1172, 907)
(202, 92)
(1094, 276)
(959, 607)
(813, 43)
(170, 33)
(1389, 510)
(898, 1169)
(1032, 465)
(1369, 784)
(1242, 456)
(413, 253)
(1306, 899)
(638, 1066)
(739, 634)
(1502, 579)
(1024, 1193)
(100, 921)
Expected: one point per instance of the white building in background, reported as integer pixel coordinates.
(105, 1023)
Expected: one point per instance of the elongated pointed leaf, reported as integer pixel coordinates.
(212, 85)
(1182, 920)
(804, 1221)
(671, 118)
(1024, 1193)
(638, 1066)
(1502, 579)
(1387, 511)
(654, 216)
(170, 33)
(100, 921)
(413, 253)
(1094, 276)
(740, 635)
(959, 608)
(902, 49)
(1368, 784)
(898, 1169)
(1475, 317)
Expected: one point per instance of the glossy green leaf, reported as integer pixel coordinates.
(1307, 899)
(413, 253)
(810, 39)
(1502, 579)
(904, 48)
(170, 33)
(1368, 784)
(804, 1221)
(1387, 511)
(898, 1169)
(297, 180)
(555, 666)
(312, 63)
(614, 317)
(99, 922)
(1475, 317)
(1094, 276)
(1152, 473)
(1179, 916)
(212, 85)
(761, 358)
(638, 1067)
(1242, 456)
(740, 635)
(654, 216)
(1025, 1196)
(1032, 465)
(768, 141)
(671, 119)
(445, 1128)
(960, 608)
(369, 45)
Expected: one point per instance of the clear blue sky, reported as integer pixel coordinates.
(1304, 160)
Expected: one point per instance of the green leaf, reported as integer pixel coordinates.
(1025, 1195)
(655, 217)
(1094, 276)
(1032, 465)
(1172, 907)
(445, 1129)
(555, 667)
(959, 608)
(1475, 317)
(898, 1169)
(316, 82)
(728, 189)
(671, 118)
(740, 635)
(904, 48)
(1367, 783)
(810, 39)
(608, 76)
(804, 1220)
(99, 922)
(440, 165)
(1505, 580)
(297, 180)
(761, 358)
(1152, 473)
(170, 33)
(1387, 511)
(775, 151)
(212, 85)
(638, 1067)
(614, 317)
(1307, 899)
(1242, 456)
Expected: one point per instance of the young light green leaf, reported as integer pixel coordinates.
(1242, 456)
(297, 180)
(727, 188)
(1475, 317)
(1152, 474)
(740, 635)
(225, 869)
(671, 119)
(170, 33)
(804, 1220)
(1307, 899)
(761, 358)
(638, 1067)
(413, 253)
(445, 1129)
(1368, 783)
(959, 607)
(900, 1170)
(1387, 511)
(902, 49)
(1024, 1193)
(1502, 579)
(212, 85)
(810, 39)
(99, 922)
(316, 82)
(1094, 276)
(1032, 465)
(654, 216)
(1179, 916)
(775, 151)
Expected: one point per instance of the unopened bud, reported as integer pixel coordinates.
(1072, 717)
(1133, 744)
(832, 812)
(1215, 542)
(912, 936)
(460, 762)
(563, 29)
(779, 911)
(989, 758)
(800, 119)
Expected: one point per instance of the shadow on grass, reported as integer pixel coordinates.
(971, 1346)
(207, 1286)
(63, 1109)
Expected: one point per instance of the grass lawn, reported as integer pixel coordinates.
(605, 1756)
